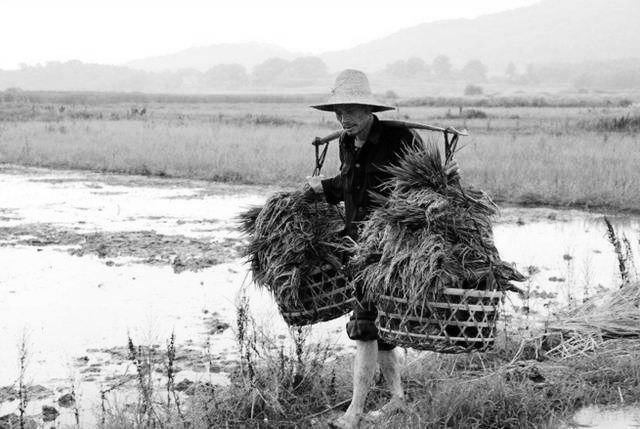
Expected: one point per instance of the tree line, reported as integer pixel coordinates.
(306, 72)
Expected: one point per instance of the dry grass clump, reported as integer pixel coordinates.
(623, 123)
(610, 315)
(431, 233)
(296, 252)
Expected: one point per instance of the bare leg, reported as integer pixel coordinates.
(363, 372)
(389, 362)
(390, 367)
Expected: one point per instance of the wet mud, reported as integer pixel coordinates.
(147, 247)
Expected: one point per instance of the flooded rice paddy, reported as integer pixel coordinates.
(90, 259)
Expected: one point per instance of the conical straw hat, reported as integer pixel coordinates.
(352, 87)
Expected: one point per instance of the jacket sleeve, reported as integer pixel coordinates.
(332, 187)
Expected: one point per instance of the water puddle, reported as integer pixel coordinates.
(604, 418)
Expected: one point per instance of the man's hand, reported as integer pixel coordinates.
(315, 182)
(452, 168)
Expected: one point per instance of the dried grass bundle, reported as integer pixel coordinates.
(430, 233)
(296, 250)
(608, 315)
(427, 257)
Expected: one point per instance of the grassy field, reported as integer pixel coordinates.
(566, 156)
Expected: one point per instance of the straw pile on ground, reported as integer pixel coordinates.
(296, 250)
(612, 314)
(432, 235)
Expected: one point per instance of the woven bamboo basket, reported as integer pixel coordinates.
(450, 320)
(325, 294)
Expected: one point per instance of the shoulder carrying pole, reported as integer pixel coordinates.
(449, 145)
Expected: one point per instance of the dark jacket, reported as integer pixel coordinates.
(363, 171)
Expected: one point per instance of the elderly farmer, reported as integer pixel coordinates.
(367, 145)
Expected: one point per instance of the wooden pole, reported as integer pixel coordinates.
(319, 141)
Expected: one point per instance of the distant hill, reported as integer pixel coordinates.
(204, 57)
(585, 44)
(549, 31)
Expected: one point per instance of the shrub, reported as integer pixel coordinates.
(473, 90)
(628, 123)
(474, 114)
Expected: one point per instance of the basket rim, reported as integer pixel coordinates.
(436, 337)
(398, 316)
(436, 304)
(315, 310)
(472, 292)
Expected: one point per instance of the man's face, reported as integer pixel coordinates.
(353, 117)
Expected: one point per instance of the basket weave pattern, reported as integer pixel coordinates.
(451, 320)
(325, 294)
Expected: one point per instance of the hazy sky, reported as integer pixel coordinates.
(115, 31)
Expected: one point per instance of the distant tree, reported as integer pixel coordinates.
(14, 94)
(441, 67)
(394, 69)
(473, 90)
(269, 71)
(416, 67)
(303, 71)
(511, 71)
(226, 76)
(390, 95)
(410, 69)
(190, 78)
(474, 71)
(307, 68)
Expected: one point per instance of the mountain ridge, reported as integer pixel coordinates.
(587, 30)
(200, 57)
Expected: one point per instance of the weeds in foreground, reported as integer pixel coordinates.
(622, 248)
(171, 386)
(23, 398)
(279, 384)
(526, 394)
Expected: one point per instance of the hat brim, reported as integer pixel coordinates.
(330, 107)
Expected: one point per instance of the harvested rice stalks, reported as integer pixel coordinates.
(290, 237)
(608, 315)
(247, 220)
(429, 234)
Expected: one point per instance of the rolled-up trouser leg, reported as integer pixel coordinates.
(362, 325)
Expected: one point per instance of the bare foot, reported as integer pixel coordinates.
(347, 421)
(395, 404)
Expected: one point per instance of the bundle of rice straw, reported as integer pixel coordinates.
(611, 314)
(427, 257)
(296, 250)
